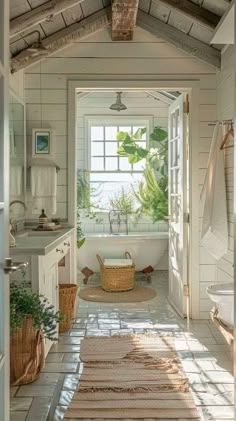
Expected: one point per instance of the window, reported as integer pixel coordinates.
(109, 172)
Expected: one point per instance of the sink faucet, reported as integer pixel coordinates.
(14, 224)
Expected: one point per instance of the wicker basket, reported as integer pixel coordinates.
(26, 353)
(117, 278)
(67, 298)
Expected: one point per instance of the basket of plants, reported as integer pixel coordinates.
(32, 319)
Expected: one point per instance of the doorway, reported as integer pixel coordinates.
(181, 228)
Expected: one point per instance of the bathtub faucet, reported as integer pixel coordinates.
(118, 217)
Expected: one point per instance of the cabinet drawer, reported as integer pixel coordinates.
(58, 253)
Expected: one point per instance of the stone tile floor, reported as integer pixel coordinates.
(205, 356)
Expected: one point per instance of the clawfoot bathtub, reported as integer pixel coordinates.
(146, 249)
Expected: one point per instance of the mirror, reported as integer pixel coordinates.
(17, 155)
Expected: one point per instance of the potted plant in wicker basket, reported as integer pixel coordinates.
(32, 319)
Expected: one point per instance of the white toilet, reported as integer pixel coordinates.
(222, 296)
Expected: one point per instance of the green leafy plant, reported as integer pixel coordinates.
(158, 154)
(152, 193)
(124, 201)
(80, 235)
(84, 193)
(130, 146)
(25, 304)
(153, 201)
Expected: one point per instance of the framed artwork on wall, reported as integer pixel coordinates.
(42, 143)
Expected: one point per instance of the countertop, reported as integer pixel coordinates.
(39, 243)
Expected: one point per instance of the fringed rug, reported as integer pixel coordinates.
(138, 294)
(131, 377)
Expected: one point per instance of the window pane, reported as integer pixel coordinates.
(97, 149)
(110, 133)
(105, 190)
(97, 133)
(97, 164)
(139, 166)
(135, 128)
(124, 164)
(111, 148)
(125, 129)
(117, 177)
(111, 164)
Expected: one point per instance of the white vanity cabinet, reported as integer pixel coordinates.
(49, 265)
(50, 270)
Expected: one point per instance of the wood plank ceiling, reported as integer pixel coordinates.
(39, 28)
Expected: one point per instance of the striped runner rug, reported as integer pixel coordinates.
(131, 377)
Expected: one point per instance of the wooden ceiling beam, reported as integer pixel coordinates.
(178, 38)
(124, 14)
(193, 11)
(63, 38)
(39, 14)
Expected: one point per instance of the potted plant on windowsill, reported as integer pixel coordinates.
(32, 319)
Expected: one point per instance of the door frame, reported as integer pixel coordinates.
(4, 214)
(192, 87)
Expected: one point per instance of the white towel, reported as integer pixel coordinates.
(44, 189)
(214, 235)
(16, 180)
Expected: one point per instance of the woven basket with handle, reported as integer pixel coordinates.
(117, 278)
(67, 299)
(26, 353)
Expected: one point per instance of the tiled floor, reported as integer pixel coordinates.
(204, 353)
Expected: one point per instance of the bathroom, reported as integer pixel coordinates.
(65, 96)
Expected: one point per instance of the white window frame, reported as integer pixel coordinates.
(142, 121)
(133, 120)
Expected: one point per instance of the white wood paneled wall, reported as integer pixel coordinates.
(213, 271)
(96, 57)
(16, 83)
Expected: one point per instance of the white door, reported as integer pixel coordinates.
(4, 206)
(178, 205)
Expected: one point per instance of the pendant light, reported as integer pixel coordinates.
(118, 106)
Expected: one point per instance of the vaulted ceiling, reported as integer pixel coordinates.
(39, 28)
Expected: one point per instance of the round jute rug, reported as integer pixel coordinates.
(136, 295)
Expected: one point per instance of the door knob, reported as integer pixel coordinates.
(11, 266)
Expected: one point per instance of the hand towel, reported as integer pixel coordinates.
(16, 180)
(44, 189)
(214, 236)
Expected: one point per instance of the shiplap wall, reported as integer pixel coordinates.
(16, 83)
(139, 104)
(146, 58)
(221, 271)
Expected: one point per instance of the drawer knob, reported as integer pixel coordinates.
(59, 250)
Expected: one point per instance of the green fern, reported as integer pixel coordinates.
(153, 201)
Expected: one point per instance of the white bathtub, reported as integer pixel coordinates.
(145, 248)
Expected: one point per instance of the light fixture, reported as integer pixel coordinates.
(118, 106)
(37, 48)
